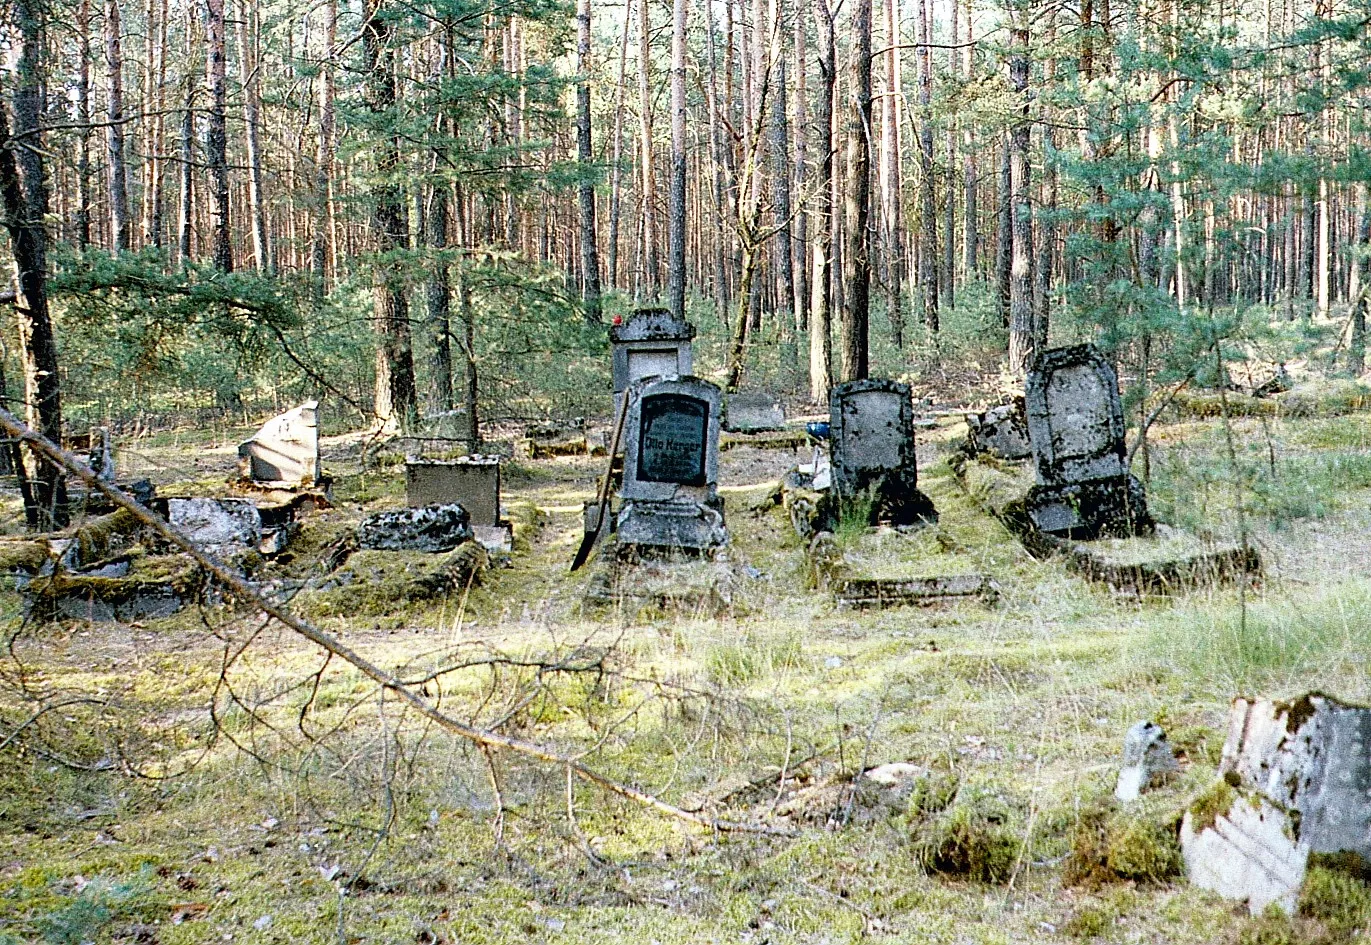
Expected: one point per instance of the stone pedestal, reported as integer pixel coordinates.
(471, 481)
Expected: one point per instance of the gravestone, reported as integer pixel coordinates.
(872, 452)
(651, 343)
(753, 413)
(1295, 782)
(1148, 759)
(1076, 425)
(1001, 431)
(670, 495)
(471, 481)
(286, 450)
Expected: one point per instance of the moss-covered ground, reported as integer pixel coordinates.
(210, 778)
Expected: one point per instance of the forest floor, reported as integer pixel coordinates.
(307, 807)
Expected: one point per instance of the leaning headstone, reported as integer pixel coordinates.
(872, 450)
(430, 528)
(753, 413)
(1076, 425)
(101, 460)
(1001, 431)
(651, 343)
(1304, 769)
(285, 451)
(670, 495)
(223, 527)
(1148, 759)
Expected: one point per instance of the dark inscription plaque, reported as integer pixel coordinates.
(671, 442)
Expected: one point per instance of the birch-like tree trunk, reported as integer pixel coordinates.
(217, 139)
(1021, 335)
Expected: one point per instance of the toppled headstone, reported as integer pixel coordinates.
(1001, 431)
(285, 450)
(753, 413)
(651, 343)
(223, 527)
(431, 528)
(670, 497)
(1076, 425)
(1305, 768)
(1148, 759)
(872, 452)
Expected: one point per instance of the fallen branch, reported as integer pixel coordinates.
(245, 592)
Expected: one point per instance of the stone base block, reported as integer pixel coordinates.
(669, 526)
(1084, 511)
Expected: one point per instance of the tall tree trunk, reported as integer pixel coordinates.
(718, 148)
(780, 148)
(439, 297)
(249, 68)
(1021, 335)
(616, 162)
(1004, 230)
(948, 274)
(186, 208)
(23, 190)
(801, 126)
(323, 155)
(676, 202)
(970, 233)
(1359, 288)
(216, 68)
(396, 399)
(857, 252)
(121, 227)
(83, 168)
(155, 49)
(647, 192)
(590, 257)
(892, 217)
(928, 209)
(821, 318)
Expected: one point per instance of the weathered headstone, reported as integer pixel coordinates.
(1147, 760)
(670, 493)
(1076, 424)
(222, 527)
(430, 528)
(1001, 431)
(651, 343)
(753, 413)
(471, 481)
(285, 450)
(872, 449)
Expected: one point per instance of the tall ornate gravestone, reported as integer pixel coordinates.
(871, 430)
(651, 343)
(669, 497)
(286, 450)
(1075, 421)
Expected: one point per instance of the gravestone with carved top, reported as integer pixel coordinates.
(669, 497)
(651, 343)
(872, 450)
(1075, 422)
(285, 451)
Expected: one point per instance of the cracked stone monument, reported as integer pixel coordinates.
(669, 497)
(871, 447)
(285, 452)
(223, 527)
(1075, 421)
(651, 343)
(473, 482)
(1297, 781)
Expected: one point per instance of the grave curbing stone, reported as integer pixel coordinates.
(431, 528)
